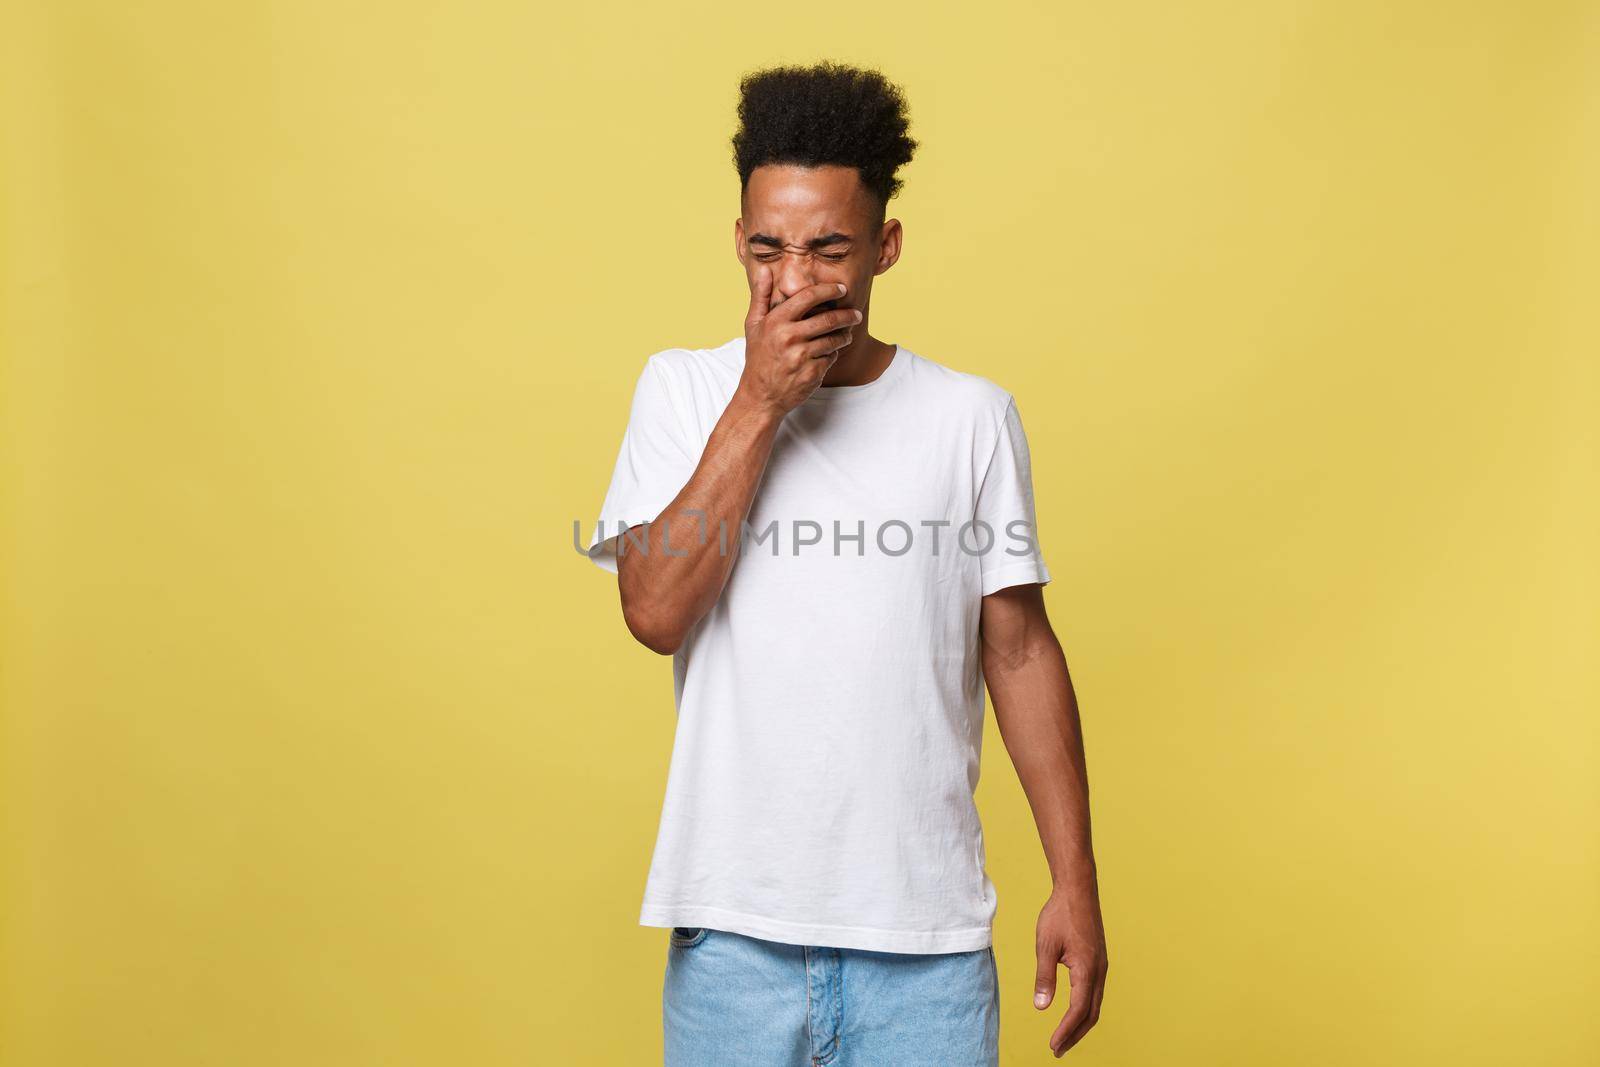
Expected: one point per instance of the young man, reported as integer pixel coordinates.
(833, 537)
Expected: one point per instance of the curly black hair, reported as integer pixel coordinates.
(823, 114)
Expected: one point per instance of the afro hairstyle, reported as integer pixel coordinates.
(820, 115)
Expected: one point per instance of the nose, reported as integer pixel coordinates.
(795, 272)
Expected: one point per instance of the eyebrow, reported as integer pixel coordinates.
(824, 241)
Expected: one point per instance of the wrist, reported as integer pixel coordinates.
(1074, 878)
(747, 403)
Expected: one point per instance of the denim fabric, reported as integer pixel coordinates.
(729, 1000)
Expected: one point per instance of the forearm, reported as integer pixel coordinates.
(1037, 713)
(674, 577)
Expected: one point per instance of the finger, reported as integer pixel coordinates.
(828, 321)
(1044, 982)
(1085, 997)
(760, 295)
(1077, 1011)
(827, 345)
(1094, 1009)
(1083, 1028)
(797, 305)
(818, 369)
(1097, 992)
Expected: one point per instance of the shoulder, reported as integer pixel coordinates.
(958, 389)
(695, 384)
(687, 365)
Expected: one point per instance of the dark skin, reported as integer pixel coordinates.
(811, 241)
(1037, 712)
(814, 225)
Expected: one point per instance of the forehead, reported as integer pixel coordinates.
(795, 199)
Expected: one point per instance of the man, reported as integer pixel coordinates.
(802, 515)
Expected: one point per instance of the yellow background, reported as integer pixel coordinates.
(320, 319)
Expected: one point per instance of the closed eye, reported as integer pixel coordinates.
(768, 257)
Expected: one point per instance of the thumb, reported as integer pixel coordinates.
(760, 296)
(1044, 985)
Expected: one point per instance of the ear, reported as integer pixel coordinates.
(889, 239)
(738, 239)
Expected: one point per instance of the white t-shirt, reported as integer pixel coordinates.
(830, 705)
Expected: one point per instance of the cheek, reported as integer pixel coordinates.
(860, 280)
(850, 271)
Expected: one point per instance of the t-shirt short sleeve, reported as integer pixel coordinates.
(1005, 504)
(653, 465)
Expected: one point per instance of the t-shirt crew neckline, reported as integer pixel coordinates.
(851, 392)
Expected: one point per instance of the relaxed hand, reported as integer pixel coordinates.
(1070, 933)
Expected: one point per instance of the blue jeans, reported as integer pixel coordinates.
(735, 1001)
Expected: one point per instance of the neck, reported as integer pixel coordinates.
(860, 362)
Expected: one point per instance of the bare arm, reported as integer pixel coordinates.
(1037, 713)
(689, 549)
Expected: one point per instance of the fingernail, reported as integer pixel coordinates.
(841, 288)
(1041, 1000)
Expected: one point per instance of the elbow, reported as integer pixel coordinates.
(652, 632)
(659, 642)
